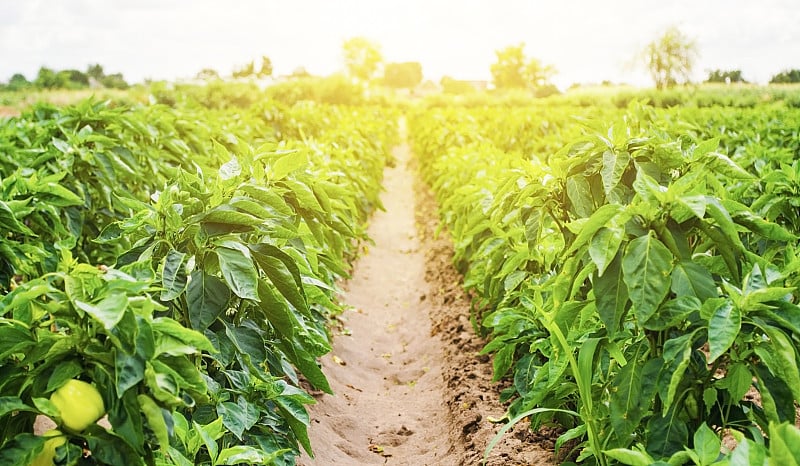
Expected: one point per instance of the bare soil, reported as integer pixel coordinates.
(410, 387)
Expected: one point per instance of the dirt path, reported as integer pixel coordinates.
(410, 387)
(389, 406)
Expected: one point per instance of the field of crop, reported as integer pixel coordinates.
(172, 276)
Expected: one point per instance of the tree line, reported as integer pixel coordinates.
(48, 78)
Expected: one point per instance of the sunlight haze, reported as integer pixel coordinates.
(586, 41)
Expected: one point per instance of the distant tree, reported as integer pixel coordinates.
(76, 79)
(95, 71)
(514, 70)
(300, 72)
(18, 82)
(114, 81)
(46, 78)
(266, 67)
(670, 58)
(729, 76)
(362, 58)
(245, 71)
(786, 77)
(456, 86)
(402, 75)
(207, 74)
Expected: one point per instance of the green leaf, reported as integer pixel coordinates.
(749, 453)
(646, 266)
(784, 447)
(155, 419)
(588, 227)
(692, 279)
(629, 403)
(723, 328)
(673, 313)
(283, 273)
(677, 355)
(64, 371)
(239, 272)
(604, 247)
(194, 340)
(580, 195)
(173, 275)
(666, 435)
(207, 434)
(629, 457)
(238, 417)
(9, 404)
(611, 296)
(783, 360)
(614, 166)
(706, 444)
(296, 415)
(244, 454)
(207, 297)
(21, 450)
(108, 311)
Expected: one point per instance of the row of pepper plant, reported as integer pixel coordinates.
(638, 286)
(172, 269)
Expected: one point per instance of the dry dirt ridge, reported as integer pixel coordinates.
(410, 387)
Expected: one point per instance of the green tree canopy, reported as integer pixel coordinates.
(514, 70)
(245, 71)
(402, 75)
(362, 58)
(670, 58)
(266, 67)
(786, 76)
(729, 76)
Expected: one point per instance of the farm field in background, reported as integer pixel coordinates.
(632, 258)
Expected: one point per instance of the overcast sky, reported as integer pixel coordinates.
(586, 40)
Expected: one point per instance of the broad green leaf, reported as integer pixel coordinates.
(155, 419)
(238, 417)
(108, 311)
(737, 381)
(580, 195)
(611, 296)
(783, 360)
(209, 439)
(598, 219)
(677, 355)
(64, 371)
(706, 444)
(629, 403)
(604, 247)
(629, 457)
(614, 165)
(244, 454)
(296, 415)
(9, 404)
(194, 341)
(206, 297)
(646, 267)
(239, 272)
(666, 435)
(784, 445)
(21, 449)
(692, 279)
(776, 396)
(673, 313)
(749, 453)
(723, 328)
(282, 272)
(173, 275)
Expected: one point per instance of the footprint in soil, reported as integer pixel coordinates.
(394, 437)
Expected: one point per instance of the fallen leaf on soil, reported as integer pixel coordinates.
(339, 361)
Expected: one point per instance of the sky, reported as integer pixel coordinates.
(587, 41)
